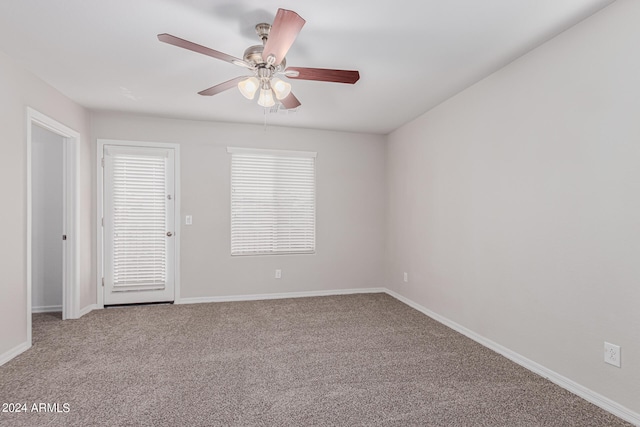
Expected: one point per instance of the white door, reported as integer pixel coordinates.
(139, 234)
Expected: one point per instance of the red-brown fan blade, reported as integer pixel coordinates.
(283, 32)
(323, 75)
(213, 90)
(290, 101)
(185, 44)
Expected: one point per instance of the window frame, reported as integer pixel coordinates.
(282, 154)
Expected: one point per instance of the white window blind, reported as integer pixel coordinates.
(139, 220)
(273, 200)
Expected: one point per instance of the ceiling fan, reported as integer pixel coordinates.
(267, 62)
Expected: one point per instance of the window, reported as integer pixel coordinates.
(273, 199)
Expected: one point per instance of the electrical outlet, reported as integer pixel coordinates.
(188, 220)
(278, 274)
(612, 354)
(406, 277)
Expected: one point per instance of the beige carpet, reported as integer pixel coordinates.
(351, 360)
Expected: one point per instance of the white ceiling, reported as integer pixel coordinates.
(411, 54)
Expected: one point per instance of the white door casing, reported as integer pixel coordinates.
(71, 214)
(139, 224)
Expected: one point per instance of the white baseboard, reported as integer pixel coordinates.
(8, 355)
(575, 388)
(283, 295)
(46, 309)
(88, 309)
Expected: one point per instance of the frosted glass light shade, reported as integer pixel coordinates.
(281, 88)
(266, 98)
(249, 87)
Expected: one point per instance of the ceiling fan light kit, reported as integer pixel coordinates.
(267, 62)
(249, 87)
(281, 88)
(266, 97)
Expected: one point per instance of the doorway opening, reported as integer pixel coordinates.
(47, 229)
(52, 218)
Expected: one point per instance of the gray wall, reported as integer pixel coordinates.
(351, 205)
(515, 205)
(19, 89)
(47, 220)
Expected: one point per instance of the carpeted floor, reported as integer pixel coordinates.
(350, 360)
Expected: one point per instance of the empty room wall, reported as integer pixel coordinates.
(18, 90)
(515, 205)
(350, 200)
(47, 220)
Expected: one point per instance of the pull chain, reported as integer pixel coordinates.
(265, 119)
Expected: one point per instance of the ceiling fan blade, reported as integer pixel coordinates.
(323, 74)
(213, 90)
(185, 44)
(290, 101)
(283, 32)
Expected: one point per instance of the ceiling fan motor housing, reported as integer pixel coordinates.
(253, 55)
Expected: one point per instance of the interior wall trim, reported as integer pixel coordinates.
(15, 351)
(88, 309)
(570, 385)
(282, 295)
(587, 394)
(46, 309)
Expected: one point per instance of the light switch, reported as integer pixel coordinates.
(188, 220)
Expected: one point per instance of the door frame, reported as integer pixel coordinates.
(100, 206)
(70, 214)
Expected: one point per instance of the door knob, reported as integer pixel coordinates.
(169, 234)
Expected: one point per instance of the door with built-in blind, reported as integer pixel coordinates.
(139, 236)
